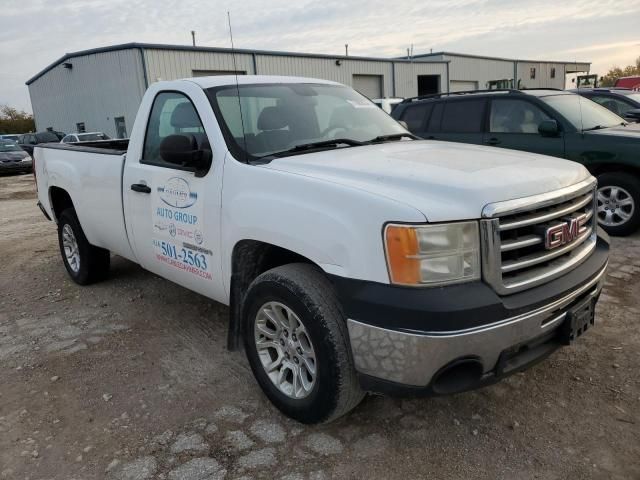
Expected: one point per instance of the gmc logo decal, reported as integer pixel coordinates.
(563, 233)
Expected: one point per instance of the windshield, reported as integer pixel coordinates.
(278, 117)
(92, 137)
(9, 146)
(582, 113)
(633, 96)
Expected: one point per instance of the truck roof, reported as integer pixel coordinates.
(222, 80)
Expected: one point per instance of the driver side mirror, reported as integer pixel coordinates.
(548, 128)
(182, 151)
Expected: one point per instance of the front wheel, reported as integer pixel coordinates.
(618, 200)
(297, 344)
(84, 262)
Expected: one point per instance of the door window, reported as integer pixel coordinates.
(172, 114)
(415, 116)
(463, 116)
(515, 116)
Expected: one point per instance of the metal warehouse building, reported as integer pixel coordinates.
(101, 89)
(473, 72)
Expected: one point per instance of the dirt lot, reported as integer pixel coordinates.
(130, 379)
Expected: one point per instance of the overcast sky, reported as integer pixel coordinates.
(35, 33)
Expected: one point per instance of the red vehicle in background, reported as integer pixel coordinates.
(629, 82)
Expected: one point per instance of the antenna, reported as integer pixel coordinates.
(193, 37)
(235, 68)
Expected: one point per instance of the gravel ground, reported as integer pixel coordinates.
(130, 379)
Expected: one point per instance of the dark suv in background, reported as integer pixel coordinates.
(546, 121)
(621, 101)
(29, 140)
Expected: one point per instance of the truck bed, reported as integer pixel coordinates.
(91, 174)
(105, 147)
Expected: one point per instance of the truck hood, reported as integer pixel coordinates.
(445, 181)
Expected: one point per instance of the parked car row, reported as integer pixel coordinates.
(551, 122)
(16, 150)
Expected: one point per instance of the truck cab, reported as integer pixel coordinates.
(354, 257)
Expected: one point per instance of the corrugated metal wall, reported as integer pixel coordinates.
(543, 75)
(172, 64)
(97, 89)
(479, 70)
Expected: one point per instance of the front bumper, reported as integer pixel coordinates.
(502, 334)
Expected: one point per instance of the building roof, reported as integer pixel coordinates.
(189, 48)
(483, 57)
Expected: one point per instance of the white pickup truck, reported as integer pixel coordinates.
(353, 257)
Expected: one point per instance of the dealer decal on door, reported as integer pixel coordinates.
(178, 238)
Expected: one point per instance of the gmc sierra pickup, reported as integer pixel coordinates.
(353, 257)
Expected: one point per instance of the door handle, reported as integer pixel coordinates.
(493, 141)
(140, 187)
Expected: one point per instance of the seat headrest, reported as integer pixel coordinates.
(272, 118)
(185, 116)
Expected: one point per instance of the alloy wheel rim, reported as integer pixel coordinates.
(615, 206)
(285, 350)
(70, 246)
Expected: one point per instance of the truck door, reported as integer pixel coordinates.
(172, 213)
(513, 123)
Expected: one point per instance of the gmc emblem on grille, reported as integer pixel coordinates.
(563, 233)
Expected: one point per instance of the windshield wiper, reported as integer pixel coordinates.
(323, 143)
(303, 147)
(393, 136)
(597, 127)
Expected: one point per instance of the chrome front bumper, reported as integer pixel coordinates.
(413, 359)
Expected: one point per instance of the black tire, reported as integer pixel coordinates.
(94, 261)
(305, 289)
(630, 184)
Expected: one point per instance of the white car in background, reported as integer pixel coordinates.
(85, 137)
(387, 104)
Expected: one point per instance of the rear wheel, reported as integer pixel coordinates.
(297, 344)
(84, 262)
(618, 200)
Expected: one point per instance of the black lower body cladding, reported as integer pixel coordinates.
(447, 339)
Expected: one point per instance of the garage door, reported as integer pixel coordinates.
(368, 85)
(462, 86)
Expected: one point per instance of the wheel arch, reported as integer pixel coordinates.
(606, 167)
(249, 259)
(59, 200)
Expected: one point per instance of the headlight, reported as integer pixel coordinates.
(26, 158)
(433, 255)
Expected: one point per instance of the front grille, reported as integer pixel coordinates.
(517, 251)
